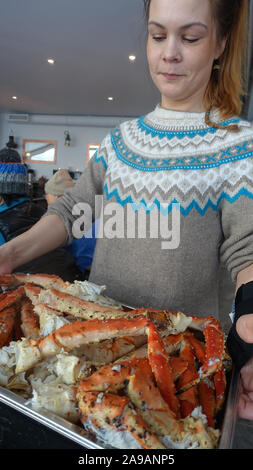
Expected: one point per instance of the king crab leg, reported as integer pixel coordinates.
(207, 401)
(215, 346)
(10, 298)
(220, 388)
(7, 323)
(30, 325)
(160, 366)
(112, 411)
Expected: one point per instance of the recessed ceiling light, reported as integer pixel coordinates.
(132, 58)
(51, 61)
(14, 97)
(110, 98)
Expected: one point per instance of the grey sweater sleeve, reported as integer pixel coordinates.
(80, 200)
(236, 250)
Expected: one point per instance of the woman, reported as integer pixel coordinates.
(192, 150)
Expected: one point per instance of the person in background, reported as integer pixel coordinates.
(82, 249)
(57, 185)
(18, 214)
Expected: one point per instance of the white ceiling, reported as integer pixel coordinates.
(90, 41)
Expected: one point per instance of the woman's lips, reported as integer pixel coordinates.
(172, 76)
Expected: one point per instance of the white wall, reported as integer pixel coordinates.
(83, 130)
(250, 113)
(1, 130)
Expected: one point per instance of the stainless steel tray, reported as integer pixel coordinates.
(48, 419)
(77, 434)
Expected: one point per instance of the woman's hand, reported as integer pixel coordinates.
(244, 327)
(245, 405)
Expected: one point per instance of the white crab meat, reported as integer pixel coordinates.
(8, 378)
(50, 321)
(56, 397)
(91, 292)
(26, 355)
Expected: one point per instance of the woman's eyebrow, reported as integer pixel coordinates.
(186, 26)
(150, 23)
(196, 23)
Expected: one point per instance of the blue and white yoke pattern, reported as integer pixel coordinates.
(150, 162)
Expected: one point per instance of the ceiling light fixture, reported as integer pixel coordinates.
(14, 97)
(110, 98)
(51, 61)
(132, 58)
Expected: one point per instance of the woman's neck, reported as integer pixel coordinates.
(190, 105)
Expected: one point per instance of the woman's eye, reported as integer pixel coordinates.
(158, 38)
(191, 39)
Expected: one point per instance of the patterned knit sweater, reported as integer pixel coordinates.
(167, 166)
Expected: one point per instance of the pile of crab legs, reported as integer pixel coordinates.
(152, 391)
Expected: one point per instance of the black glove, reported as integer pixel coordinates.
(239, 350)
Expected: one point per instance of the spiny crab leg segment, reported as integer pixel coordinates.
(220, 388)
(161, 369)
(198, 347)
(188, 399)
(7, 322)
(9, 298)
(207, 401)
(215, 347)
(30, 325)
(115, 411)
(108, 378)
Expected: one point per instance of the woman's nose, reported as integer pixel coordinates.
(171, 50)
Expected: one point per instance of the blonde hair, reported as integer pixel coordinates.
(227, 84)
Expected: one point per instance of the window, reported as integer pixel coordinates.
(91, 149)
(39, 151)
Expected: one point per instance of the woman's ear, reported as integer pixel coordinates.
(220, 48)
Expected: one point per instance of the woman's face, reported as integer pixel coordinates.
(181, 49)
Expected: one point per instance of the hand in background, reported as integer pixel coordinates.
(244, 327)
